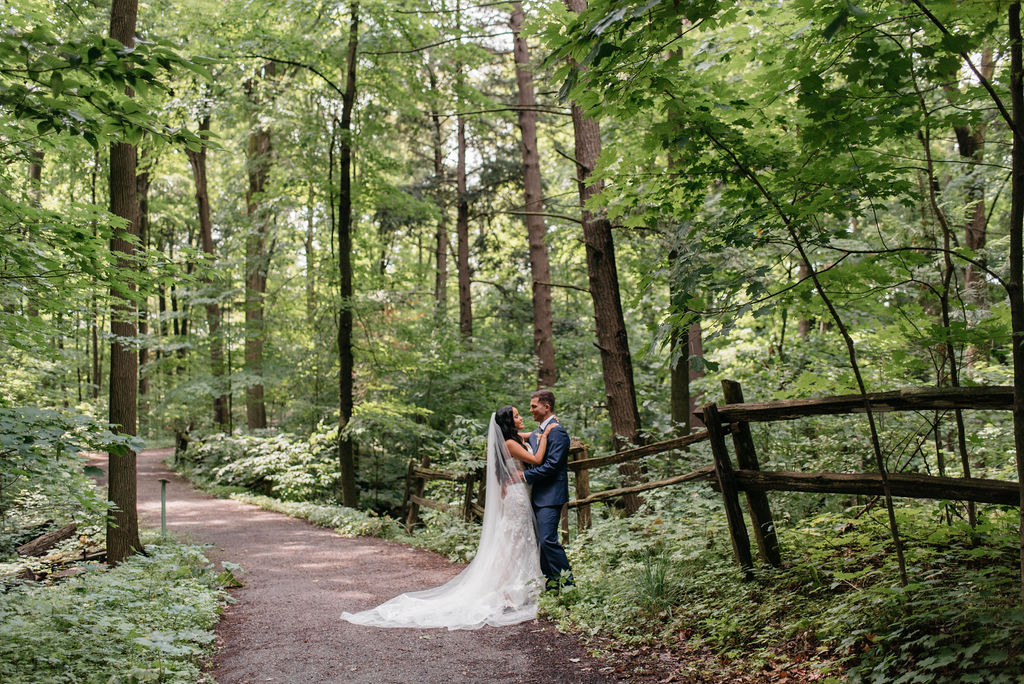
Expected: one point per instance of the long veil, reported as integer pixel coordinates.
(500, 586)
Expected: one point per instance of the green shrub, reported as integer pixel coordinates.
(148, 619)
(286, 466)
(42, 474)
(836, 606)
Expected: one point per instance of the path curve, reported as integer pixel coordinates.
(299, 578)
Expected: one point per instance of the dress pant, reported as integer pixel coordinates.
(552, 556)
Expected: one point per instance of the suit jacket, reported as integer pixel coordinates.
(550, 478)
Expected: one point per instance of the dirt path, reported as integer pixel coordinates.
(299, 578)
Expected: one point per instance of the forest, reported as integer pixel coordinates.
(312, 244)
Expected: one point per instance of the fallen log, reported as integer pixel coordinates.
(40, 545)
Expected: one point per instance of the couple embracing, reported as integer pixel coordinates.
(519, 553)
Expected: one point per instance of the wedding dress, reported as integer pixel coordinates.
(501, 585)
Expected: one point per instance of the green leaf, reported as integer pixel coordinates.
(837, 23)
(568, 85)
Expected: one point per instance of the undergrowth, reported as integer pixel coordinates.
(836, 608)
(666, 579)
(147, 619)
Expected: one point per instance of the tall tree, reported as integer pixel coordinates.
(440, 178)
(533, 206)
(197, 160)
(142, 185)
(257, 251)
(1015, 285)
(462, 205)
(971, 146)
(616, 363)
(123, 523)
(346, 379)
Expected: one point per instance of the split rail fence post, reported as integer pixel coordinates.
(467, 500)
(419, 484)
(723, 470)
(582, 487)
(757, 502)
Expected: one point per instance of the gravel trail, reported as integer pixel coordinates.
(299, 578)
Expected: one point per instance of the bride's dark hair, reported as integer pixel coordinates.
(506, 422)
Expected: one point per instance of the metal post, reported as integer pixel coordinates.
(163, 506)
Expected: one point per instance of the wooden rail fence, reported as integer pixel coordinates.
(733, 418)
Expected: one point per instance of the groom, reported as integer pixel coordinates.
(550, 483)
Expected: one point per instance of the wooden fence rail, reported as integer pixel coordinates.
(733, 418)
(579, 464)
(755, 483)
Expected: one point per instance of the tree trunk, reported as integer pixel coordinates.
(616, 364)
(310, 258)
(533, 196)
(1015, 286)
(123, 523)
(95, 372)
(95, 366)
(35, 177)
(256, 260)
(142, 184)
(679, 361)
(462, 232)
(35, 182)
(695, 340)
(441, 242)
(197, 160)
(462, 203)
(971, 145)
(679, 381)
(346, 379)
(804, 325)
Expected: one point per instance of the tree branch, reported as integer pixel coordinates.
(301, 65)
(564, 285)
(981, 77)
(421, 48)
(545, 214)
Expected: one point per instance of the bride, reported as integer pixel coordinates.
(501, 585)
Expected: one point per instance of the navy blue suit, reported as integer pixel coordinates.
(550, 485)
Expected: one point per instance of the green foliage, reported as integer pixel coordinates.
(42, 474)
(837, 604)
(148, 619)
(448, 535)
(54, 82)
(287, 466)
